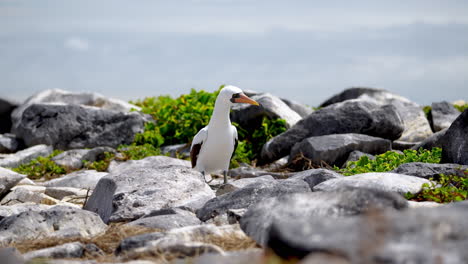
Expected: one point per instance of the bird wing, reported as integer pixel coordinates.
(197, 143)
(236, 140)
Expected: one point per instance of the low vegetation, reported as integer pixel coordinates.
(42, 167)
(444, 189)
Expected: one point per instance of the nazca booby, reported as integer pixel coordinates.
(213, 146)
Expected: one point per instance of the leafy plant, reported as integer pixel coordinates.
(136, 152)
(100, 165)
(391, 160)
(42, 167)
(461, 108)
(445, 189)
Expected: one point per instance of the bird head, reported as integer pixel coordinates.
(235, 95)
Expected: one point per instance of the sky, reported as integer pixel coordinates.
(300, 50)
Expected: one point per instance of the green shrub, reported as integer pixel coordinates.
(100, 165)
(461, 108)
(42, 167)
(391, 160)
(136, 152)
(445, 189)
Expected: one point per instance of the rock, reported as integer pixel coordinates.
(413, 204)
(234, 215)
(335, 149)
(25, 156)
(250, 117)
(140, 187)
(249, 195)
(302, 110)
(355, 155)
(344, 202)
(8, 179)
(431, 170)
(402, 145)
(23, 195)
(180, 236)
(251, 256)
(251, 172)
(175, 249)
(67, 250)
(74, 126)
(418, 235)
(9, 210)
(241, 183)
(354, 116)
(152, 161)
(442, 115)
(315, 176)
(83, 179)
(8, 143)
(384, 181)
(11, 255)
(416, 125)
(167, 219)
(177, 151)
(65, 97)
(6, 107)
(26, 181)
(61, 192)
(73, 159)
(431, 142)
(57, 221)
(455, 141)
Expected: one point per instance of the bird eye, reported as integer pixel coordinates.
(237, 95)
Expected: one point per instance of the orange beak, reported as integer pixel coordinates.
(245, 99)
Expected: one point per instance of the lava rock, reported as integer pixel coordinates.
(58, 221)
(15, 209)
(455, 141)
(167, 219)
(9, 143)
(431, 142)
(384, 181)
(431, 170)
(8, 179)
(257, 221)
(442, 115)
(241, 183)
(25, 156)
(352, 116)
(251, 172)
(73, 159)
(249, 195)
(355, 155)
(74, 126)
(133, 191)
(83, 179)
(152, 161)
(335, 149)
(61, 192)
(67, 250)
(6, 108)
(315, 176)
(302, 110)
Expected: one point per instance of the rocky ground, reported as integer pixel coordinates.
(159, 210)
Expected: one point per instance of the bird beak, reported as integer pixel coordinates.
(245, 99)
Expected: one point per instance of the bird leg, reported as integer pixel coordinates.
(203, 173)
(225, 176)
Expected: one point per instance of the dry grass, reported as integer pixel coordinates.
(302, 163)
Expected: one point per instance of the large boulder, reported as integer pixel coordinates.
(345, 202)
(66, 97)
(24, 156)
(335, 149)
(419, 235)
(455, 141)
(385, 181)
(8, 179)
(430, 170)
(249, 195)
(352, 116)
(250, 116)
(133, 191)
(416, 125)
(442, 115)
(84, 179)
(6, 107)
(58, 221)
(74, 126)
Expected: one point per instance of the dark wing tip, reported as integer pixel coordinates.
(194, 154)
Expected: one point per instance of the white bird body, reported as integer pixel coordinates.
(213, 146)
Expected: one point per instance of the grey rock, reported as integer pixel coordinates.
(167, 219)
(22, 195)
(343, 202)
(352, 116)
(335, 149)
(15, 209)
(402, 145)
(299, 108)
(152, 161)
(252, 256)
(138, 241)
(249, 195)
(176, 151)
(61, 192)
(355, 155)
(11, 255)
(179, 249)
(75, 126)
(315, 176)
(83, 179)
(73, 159)
(455, 141)
(241, 183)
(431, 170)
(442, 115)
(433, 141)
(57, 221)
(67, 250)
(25, 156)
(8, 143)
(6, 108)
(249, 116)
(234, 215)
(419, 235)
(251, 172)
(65, 97)
(8, 179)
(416, 125)
(141, 187)
(384, 181)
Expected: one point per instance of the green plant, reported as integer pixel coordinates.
(136, 152)
(445, 189)
(461, 108)
(42, 167)
(390, 160)
(100, 165)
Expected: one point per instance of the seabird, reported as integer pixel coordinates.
(213, 146)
